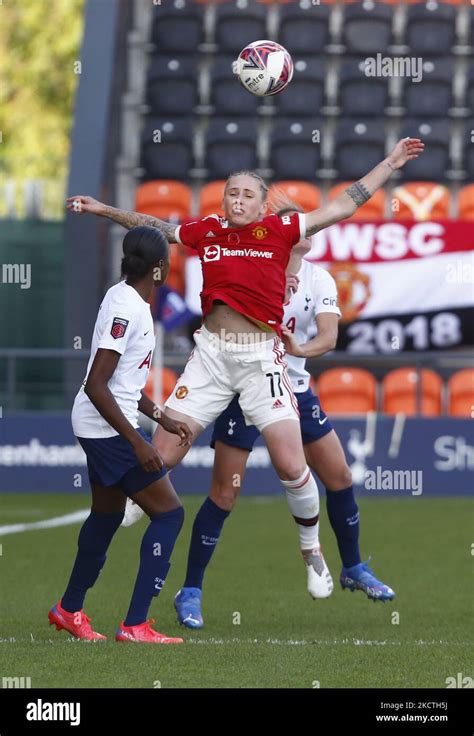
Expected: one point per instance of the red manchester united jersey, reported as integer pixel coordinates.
(245, 267)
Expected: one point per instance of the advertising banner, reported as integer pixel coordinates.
(396, 456)
(401, 285)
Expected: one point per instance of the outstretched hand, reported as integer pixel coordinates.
(406, 149)
(82, 203)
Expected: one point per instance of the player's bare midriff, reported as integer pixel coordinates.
(223, 320)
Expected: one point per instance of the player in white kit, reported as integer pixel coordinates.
(121, 461)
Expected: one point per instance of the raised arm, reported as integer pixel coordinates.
(81, 204)
(358, 193)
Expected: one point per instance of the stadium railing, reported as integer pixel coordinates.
(23, 395)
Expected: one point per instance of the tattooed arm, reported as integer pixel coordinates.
(354, 196)
(82, 204)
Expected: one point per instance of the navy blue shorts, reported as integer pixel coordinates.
(112, 462)
(230, 427)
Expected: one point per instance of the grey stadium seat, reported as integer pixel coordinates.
(178, 26)
(430, 28)
(172, 85)
(230, 146)
(359, 94)
(359, 146)
(434, 162)
(294, 155)
(433, 96)
(305, 94)
(172, 157)
(304, 27)
(238, 24)
(367, 27)
(227, 94)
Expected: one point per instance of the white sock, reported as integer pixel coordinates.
(303, 499)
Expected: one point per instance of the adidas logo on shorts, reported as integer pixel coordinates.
(278, 405)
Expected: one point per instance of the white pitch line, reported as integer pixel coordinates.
(326, 642)
(66, 520)
(212, 641)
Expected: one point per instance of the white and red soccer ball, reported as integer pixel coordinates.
(264, 68)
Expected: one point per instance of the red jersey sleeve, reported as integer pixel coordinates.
(188, 233)
(292, 227)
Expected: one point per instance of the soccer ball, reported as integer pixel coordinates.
(264, 68)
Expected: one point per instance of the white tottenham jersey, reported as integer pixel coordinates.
(317, 293)
(124, 324)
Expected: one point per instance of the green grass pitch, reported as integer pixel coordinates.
(262, 629)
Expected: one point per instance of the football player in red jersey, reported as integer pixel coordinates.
(238, 348)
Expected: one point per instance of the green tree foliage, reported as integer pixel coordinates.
(40, 44)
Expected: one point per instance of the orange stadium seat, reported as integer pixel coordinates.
(308, 196)
(164, 198)
(421, 200)
(210, 198)
(461, 394)
(168, 382)
(399, 388)
(347, 391)
(466, 202)
(372, 210)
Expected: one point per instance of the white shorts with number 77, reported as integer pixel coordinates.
(217, 370)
